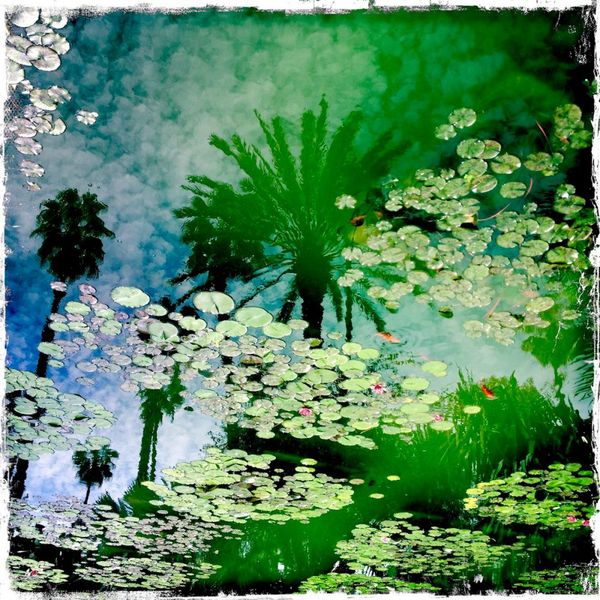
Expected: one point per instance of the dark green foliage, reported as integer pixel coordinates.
(72, 230)
(283, 218)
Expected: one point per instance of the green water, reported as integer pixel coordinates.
(166, 82)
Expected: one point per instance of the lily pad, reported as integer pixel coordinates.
(415, 384)
(513, 189)
(215, 303)
(130, 296)
(253, 316)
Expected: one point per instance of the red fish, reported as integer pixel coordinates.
(487, 392)
(388, 337)
(358, 221)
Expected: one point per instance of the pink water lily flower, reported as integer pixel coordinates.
(438, 418)
(585, 522)
(378, 388)
(305, 411)
(572, 519)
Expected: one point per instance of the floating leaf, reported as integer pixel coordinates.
(253, 316)
(513, 189)
(462, 117)
(130, 296)
(215, 303)
(415, 383)
(436, 367)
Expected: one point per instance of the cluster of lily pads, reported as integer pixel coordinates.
(475, 260)
(574, 579)
(353, 583)
(273, 381)
(30, 574)
(396, 547)
(44, 420)
(33, 41)
(558, 497)
(63, 523)
(145, 572)
(234, 486)
(99, 533)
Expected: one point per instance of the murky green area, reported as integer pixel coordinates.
(342, 345)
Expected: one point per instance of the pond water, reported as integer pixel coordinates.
(368, 364)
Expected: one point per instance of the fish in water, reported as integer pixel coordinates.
(388, 337)
(487, 392)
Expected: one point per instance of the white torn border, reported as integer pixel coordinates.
(293, 6)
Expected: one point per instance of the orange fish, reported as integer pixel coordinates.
(358, 221)
(388, 337)
(487, 392)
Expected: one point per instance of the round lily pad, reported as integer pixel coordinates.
(130, 296)
(277, 330)
(163, 331)
(539, 304)
(513, 189)
(436, 367)
(471, 148)
(231, 328)
(462, 117)
(253, 316)
(445, 132)
(215, 303)
(192, 324)
(471, 409)
(415, 384)
(441, 425)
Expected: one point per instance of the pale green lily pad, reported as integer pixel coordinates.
(436, 367)
(253, 316)
(163, 331)
(509, 240)
(415, 384)
(130, 297)
(215, 303)
(562, 255)
(441, 425)
(77, 308)
(513, 189)
(534, 248)
(471, 409)
(505, 164)
(231, 328)
(471, 148)
(445, 132)
(492, 149)
(462, 117)
(192, 323)
(539, 304)
(277, 330)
